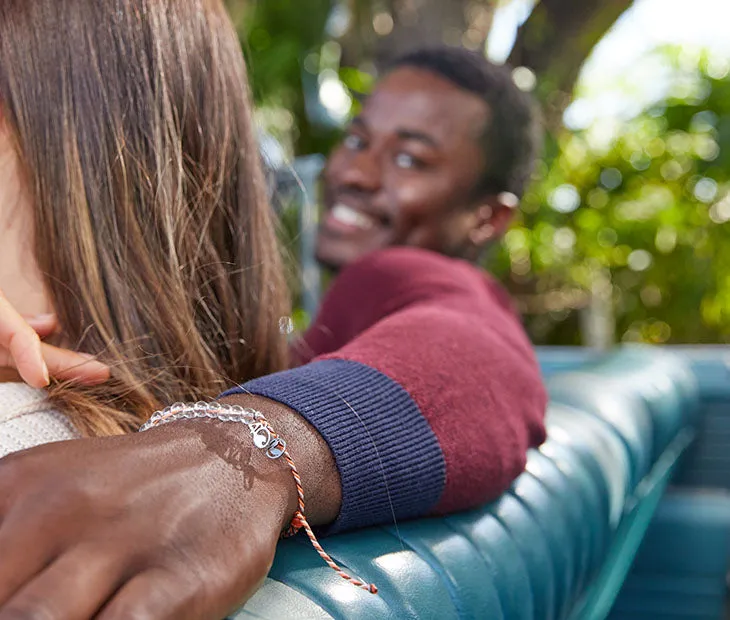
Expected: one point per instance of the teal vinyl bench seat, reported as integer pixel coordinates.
(557, 545)
(681, 568)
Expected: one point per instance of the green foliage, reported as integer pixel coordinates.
(650, 210)
(279, 39)
(645, 214)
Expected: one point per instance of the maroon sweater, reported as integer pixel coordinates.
(419, 376)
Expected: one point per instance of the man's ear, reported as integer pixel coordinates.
(493, 217)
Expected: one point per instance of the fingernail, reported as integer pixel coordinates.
(43, 317)
(46, 375)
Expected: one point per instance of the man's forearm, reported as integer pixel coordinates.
(422, 382)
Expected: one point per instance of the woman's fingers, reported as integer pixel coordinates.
(23, 345)
(71, 366)
(45, 325)
(21, 349)
(64, 365)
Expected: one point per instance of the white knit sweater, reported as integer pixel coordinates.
(27, 419)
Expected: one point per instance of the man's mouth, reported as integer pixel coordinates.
(344, 217)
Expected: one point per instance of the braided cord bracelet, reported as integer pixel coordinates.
(265, 438)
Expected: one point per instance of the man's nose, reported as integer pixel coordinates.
(363, 172)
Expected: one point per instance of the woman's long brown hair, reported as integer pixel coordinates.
(133, 124)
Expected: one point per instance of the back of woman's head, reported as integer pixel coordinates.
(132, 123)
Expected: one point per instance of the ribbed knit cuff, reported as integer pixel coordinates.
(389, 459)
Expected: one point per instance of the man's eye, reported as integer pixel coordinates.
(406, 161)
(353, 142)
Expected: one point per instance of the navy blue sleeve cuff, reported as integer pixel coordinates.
(389, 459)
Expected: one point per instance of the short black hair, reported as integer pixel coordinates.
(513, 137)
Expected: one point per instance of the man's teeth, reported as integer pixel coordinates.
(349, 216)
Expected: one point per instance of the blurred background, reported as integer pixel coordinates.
(624, 234)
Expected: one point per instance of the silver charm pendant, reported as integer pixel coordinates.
(276, 448)
(261, 435)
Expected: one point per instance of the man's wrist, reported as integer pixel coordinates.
(311, 454)
(244, 472)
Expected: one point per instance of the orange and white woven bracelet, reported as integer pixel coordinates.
(265, 438)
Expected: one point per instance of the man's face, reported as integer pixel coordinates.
(406, 172)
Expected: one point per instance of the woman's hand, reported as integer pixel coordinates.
(180, 522)
(22, 351)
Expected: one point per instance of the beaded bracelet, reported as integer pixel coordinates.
(274, 446)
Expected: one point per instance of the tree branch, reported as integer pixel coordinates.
(558, 37)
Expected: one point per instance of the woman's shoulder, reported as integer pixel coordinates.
(18, 399)
(28, 418)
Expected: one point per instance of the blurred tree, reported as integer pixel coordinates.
(384, 29)
(294, 45)
(647, 213)
(279, 38)
(554, 42)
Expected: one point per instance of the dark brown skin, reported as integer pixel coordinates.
(410, 164)
(182, 521)
(188, 532)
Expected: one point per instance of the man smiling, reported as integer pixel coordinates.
(437, 159)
